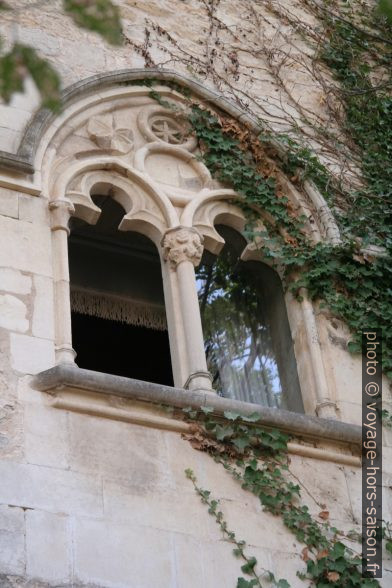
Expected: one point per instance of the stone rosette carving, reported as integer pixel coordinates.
(104, 132)
(158, 124)
(182, 244)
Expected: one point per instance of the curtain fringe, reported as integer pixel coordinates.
(116, 308)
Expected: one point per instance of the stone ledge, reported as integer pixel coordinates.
(63, 376)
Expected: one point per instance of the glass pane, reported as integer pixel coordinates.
(238, 317)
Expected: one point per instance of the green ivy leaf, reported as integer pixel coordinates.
(248, 568)
(207, 409)
(388, 545)
(232, 416)
(241, 443)
(251, 418)
(221, 432)
(100, 16)
(242, 583)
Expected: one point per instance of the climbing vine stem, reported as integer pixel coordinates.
(257, 458)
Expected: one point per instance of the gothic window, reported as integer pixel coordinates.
(153, 282)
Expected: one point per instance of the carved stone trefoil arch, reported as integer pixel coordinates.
(122, 143)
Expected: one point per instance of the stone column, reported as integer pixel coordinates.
(183, 248)
(61, 211)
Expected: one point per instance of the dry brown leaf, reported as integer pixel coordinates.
(305, 554)
(333, 576)
(324, 514)
(322, 554)
(359, 258)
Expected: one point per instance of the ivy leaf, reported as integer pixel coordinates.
(251, 418)
(221, 432)
(206, 409)
(100, 16)
(21, 61)
(282, 584)
(242, 583)
(248, 568)
(232, 416)
(241, 443)
(338, 550)
(190, 411)
(388, 545)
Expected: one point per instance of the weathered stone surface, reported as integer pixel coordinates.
(43, 312)
(45, 435)
(12, 280)
(30, 355)
(8, 204)
(13, 313)
(50, 489)
(119, 556)
(25, 246)
(48, 546)
(118, 451)
(12, 540)
(33, 209)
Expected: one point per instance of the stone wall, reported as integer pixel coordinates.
(89, 500)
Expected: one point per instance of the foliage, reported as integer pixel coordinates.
(385, 7)
(257, 458)
(13, 68)
(249, 567)
(100, 16)
(354, 285)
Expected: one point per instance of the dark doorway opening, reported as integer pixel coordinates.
(123, 350)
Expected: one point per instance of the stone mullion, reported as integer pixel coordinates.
(61, 211)
(183, 249)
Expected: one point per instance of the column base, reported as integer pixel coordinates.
(65, 354)
(200, 381)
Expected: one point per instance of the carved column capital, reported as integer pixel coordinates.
(182, 244)
(60, 210)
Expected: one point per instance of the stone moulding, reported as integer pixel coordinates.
(68, 376)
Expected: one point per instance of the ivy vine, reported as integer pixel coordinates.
(353, 279)
(258, 459)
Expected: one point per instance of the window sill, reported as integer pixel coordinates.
(120, 398)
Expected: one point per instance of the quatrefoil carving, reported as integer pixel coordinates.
(104, 132)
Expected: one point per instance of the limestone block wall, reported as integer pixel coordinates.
(99, 502)
(91, 501)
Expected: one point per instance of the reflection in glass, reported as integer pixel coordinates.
(244, 321)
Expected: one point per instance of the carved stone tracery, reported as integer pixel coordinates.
(139, 166)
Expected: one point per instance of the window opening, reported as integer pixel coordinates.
(246, 331)
(117, 303)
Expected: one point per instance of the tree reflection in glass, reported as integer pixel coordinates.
(239, 341)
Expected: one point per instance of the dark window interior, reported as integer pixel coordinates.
(112, 347)
(109, 262)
